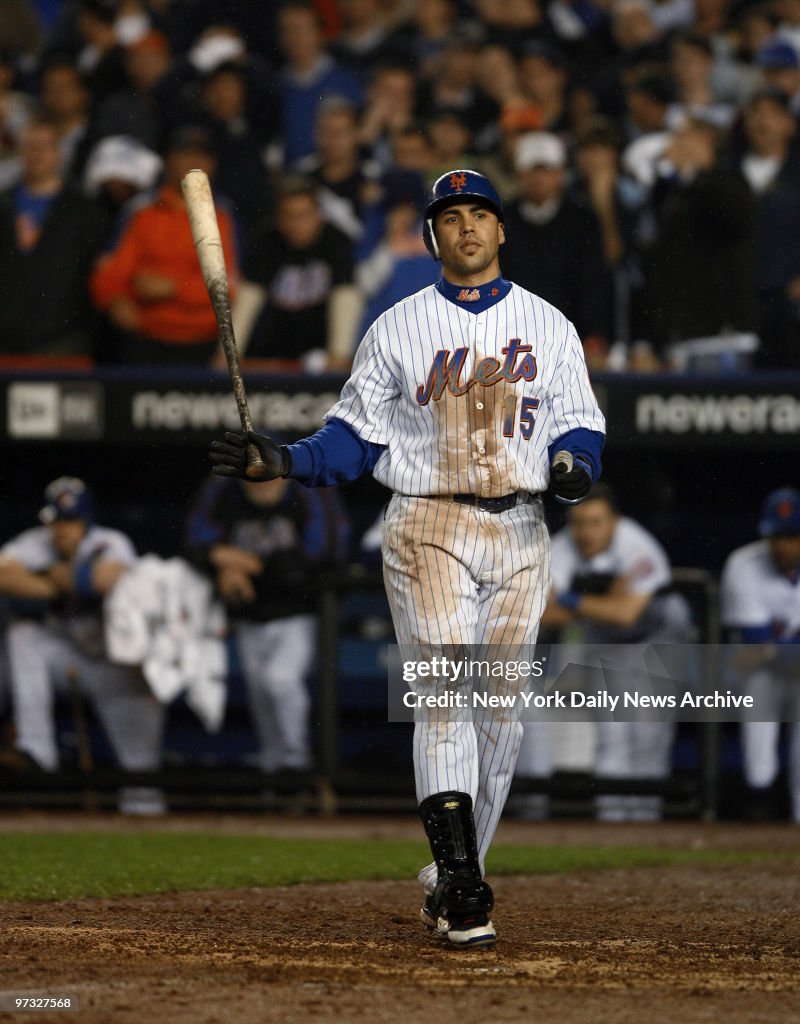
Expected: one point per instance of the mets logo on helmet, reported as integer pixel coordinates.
(458, 181)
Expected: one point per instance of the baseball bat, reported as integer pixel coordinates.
(208, 243)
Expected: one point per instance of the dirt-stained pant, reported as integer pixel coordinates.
(460, 578)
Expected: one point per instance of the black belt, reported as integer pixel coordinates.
(502, 504)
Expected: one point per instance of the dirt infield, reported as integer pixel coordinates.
(675, 944)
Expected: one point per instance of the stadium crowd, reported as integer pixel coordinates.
(645, 151)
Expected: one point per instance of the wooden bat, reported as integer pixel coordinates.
(208, 243)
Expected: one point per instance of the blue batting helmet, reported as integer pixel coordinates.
(67, 498)
(454, 187)
(781, 513)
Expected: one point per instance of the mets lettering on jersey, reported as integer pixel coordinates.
(466, 399)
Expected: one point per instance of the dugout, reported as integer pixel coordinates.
(690, 457)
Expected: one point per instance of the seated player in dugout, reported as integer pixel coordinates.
(56, 575)
(467, 400)
(760, 593)
(612, 585)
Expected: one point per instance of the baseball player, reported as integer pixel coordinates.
(611, 578)
(761, 604)
(467, 400)
(57, 575)
(262, 543)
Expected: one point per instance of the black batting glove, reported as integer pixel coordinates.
(570, 486)
(229, 456)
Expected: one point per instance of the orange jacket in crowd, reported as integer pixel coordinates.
(157, 239)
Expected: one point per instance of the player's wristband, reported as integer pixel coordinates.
(569, 600)
(82, 578)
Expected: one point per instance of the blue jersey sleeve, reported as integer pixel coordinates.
(586, 447)
(334, 455)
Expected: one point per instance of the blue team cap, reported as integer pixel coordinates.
(67, 498)
(780, 515)
(777, 55)
(460, 185)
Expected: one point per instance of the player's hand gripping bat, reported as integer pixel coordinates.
(569, 481)
(207, 241)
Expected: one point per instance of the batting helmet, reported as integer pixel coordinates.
(454, 187)
(67, 498)
(781, 513)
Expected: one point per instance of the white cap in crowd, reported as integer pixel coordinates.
(539, 149)
(124, 158)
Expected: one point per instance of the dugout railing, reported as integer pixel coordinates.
(376, 782)
(686, 794)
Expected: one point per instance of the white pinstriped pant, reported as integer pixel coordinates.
(276, 660)
(457, 576)
(40, 661)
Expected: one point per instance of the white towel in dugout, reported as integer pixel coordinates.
(162, 615)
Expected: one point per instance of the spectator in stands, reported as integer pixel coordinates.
(265, 546)
(299, 300)
(423, 39)
(21, 31)
(411, 150)
(101, 57)
(518, 117)
(309, 75)
(788, 15)
(364, 38)
(390, 108)
(344, 180)
(150, 285)
(49, 236)
(692, 64)
(699, 268)
(15, 111)
(512, 23)
(544, 77)
(240, 172)
(640, 50)
(554, 246)
(499, 78)
(395, 265)
(617, 202)
(779, 62)
(221, 47)
(451, 142)
(771, 166)
(56, 575)
(119, 168)
(145, 105)
(652, 118)
(650, 106)
(65, 101)
(455, 87)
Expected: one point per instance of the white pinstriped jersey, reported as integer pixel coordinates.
(636, 555)
(35, 550)
(468, 402)
(76, 618)
(754, 593)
